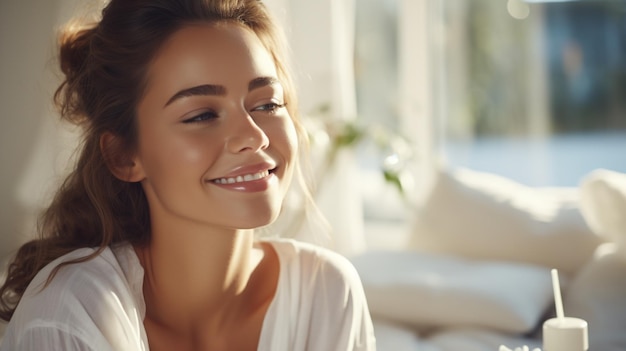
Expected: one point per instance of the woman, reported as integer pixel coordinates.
(190, 143)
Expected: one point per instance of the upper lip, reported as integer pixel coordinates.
(249, 168)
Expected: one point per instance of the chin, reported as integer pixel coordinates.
(257, 219)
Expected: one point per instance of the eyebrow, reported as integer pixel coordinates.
(203, 90)
(262, 82)
(219, 90)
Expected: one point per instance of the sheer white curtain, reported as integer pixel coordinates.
(420, 105)
(321, 39)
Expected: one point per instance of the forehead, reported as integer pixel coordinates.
(218, 53)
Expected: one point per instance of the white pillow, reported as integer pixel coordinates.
(598, 295)
(603, 204)
(485, 216)
(430, 290)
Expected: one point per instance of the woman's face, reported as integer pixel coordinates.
(216, 145)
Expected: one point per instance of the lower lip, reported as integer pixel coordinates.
(250, 186)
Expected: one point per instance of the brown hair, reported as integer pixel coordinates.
(105, 73)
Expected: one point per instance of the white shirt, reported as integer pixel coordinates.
(98, 304)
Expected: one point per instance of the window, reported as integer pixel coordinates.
(535, 91)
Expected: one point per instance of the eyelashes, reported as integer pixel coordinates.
(210, 115)
(202, 117)
(271, 107)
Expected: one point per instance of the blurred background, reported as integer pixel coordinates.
(534, 90)
(35, 147)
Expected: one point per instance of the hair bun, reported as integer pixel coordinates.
(74, 48)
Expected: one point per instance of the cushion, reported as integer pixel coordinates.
(598, 295)
(485, 216)
(603, 204)
(429, 291)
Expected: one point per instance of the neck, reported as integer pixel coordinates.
(192, 274)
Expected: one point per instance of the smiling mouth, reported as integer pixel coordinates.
(243, 178)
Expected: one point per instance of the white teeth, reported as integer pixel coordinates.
(243, 178)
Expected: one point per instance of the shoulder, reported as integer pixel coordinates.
(80, 279)
(319, 276)
(91, 300)
(316, 262)
(329, 296)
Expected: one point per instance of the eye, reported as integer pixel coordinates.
(271, 107)
(202, 117)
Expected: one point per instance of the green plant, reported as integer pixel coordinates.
(393, 150)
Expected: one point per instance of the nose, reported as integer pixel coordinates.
(246, 135)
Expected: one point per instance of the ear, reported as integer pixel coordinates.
(120, 162)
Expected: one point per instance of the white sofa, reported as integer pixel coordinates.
(468, 267)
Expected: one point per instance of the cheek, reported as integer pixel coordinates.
(285, 139)
(189, 151)
(165, 153)
(289, 149)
